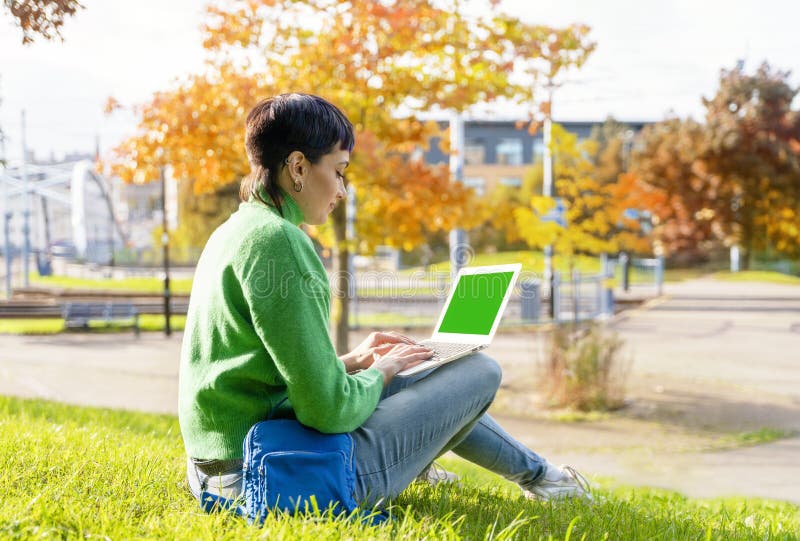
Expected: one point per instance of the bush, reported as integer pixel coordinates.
(585, 369)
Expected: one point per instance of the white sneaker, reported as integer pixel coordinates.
(559, 482)
(436, 474)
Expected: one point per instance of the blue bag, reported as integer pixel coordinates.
(292, 468)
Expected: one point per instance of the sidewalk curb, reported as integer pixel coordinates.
(644, 307)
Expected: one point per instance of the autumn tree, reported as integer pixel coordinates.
(42, 18)
(692, 219)
(630, 201)
(499, 230)
(383, 64)
(734, 179)
(595, 206)
(754, 150)
(607, 163)
(612, 145)
(200, 214)
(542, 55)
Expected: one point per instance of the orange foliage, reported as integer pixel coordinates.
(197, 128)
(371, 59)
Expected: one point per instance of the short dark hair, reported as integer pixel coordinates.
(278, 126)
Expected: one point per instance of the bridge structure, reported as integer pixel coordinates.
(56, 209)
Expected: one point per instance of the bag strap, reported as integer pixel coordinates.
(275, 408)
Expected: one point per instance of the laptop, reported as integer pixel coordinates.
(470, 317)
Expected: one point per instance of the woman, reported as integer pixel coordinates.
(257, 344)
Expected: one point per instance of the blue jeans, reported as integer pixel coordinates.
(423, 416)
(418, 419)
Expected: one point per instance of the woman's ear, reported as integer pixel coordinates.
(295, 163)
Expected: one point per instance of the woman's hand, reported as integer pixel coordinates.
(398, 358)
(376, 339)
(378, 343)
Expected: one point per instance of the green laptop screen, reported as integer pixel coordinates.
(475, 303)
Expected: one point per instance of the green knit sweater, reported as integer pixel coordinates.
(257, 332)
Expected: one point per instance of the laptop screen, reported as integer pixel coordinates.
(475, 303)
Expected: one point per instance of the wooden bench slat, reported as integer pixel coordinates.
(78, 314)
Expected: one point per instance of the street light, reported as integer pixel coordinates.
(165, 245)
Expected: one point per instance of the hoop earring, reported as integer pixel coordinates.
(298, 186)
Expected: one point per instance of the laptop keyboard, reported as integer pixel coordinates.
(446, 349)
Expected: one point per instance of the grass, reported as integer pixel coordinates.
(71, 472)
(180, 286)
(681, 275)
(55, 325)
(391, 319)
(758, 276)
(577, 416)
(532, 261)
(584, 369)
(407, 293)
(49, 325)
(753, 437)
(155, 323)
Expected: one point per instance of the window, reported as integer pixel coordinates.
(474, 152)
(515, 182)
(477, 184)
(509, 152)
(538, 147)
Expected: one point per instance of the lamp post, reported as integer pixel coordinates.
(547, 191)
(459, 248)
(6, 217)
(26, 214)
(165, 246)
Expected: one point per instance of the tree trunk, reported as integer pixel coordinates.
(340, 303)
(747, 238)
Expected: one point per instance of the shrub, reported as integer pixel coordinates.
(585, 368)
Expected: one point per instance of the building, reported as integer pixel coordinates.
(498, 152)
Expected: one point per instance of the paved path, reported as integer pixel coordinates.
(710, 359)
(740, 343)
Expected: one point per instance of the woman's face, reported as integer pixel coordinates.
(323, 186)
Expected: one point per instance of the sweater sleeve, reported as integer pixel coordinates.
(287, 292)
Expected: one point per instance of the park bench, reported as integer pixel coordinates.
(78, 315)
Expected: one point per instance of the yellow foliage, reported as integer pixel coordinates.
(370, 59)
(594, 208)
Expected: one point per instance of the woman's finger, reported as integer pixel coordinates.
(402, 337)
(414, 360)
(417, 354)
(403, 349)
(391, 338)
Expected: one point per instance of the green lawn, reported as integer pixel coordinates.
(679, 275)
(55, 325)
(532, 261)
(84, 473)
(758, 276)
(182, 286)
(391, 319)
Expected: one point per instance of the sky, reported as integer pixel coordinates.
(652, 59)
